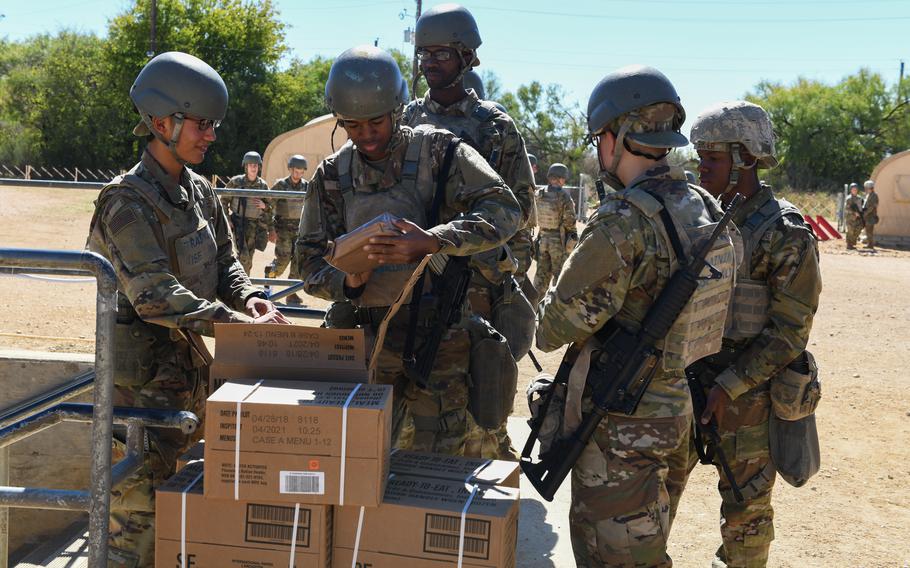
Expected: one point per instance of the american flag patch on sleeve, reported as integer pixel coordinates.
(122, 220)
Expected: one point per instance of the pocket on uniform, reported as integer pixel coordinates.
(752, 442)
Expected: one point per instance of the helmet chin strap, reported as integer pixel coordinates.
(465, 67)
(738, 164)
(609, 172)
(172, 143)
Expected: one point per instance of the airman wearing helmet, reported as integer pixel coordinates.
(287, 221)
(870, 212)
(252, 218)
(768, 327)
(611, 278)
(167, 293)
(557, 235)
(386, 167)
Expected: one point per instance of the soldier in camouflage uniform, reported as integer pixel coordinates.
(252, 218)
(777, 289)
(287, 221)
(870, 212)
(853, 215)
(388, 167)
(167, 236)
(447, 39)
(557, 235)
(623, 481)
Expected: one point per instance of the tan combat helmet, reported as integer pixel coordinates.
(732, 126)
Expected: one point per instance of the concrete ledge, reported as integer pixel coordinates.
(58, 457)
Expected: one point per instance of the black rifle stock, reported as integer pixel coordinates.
(621, 373)
(450, 291)
(707, 442)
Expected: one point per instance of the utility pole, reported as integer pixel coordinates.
(415, 74)
(900, 83)
(153, 30)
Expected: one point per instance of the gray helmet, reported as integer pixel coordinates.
(854, 184)
(633, 88)
(297, 161)
(365, 82)
(176, 82)
(558, 170)
(447, 24)
(252, 158)
(724, 126)
(533, 159)
(473, 81)
(500, 106)
(869, 183)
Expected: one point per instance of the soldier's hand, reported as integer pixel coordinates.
(273, 236)
(272, 317)
(357, 280)
(411, 245)
(258, 203)
(264, 311)
(716, 405)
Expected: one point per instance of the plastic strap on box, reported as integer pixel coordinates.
(183, 518)
(294, 534)
(344, 441)
(464, 512)
(237, 442)
(360, 531)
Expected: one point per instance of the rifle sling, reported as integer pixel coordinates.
(442, 178)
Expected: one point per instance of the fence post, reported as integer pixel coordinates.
(76, 177)
(28, 171)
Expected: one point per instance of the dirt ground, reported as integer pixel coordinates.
(856, 512)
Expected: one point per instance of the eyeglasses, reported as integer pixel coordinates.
(203, 124)
(438, 55)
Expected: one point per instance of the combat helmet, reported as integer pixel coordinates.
(297, 161)
(639, 103)
(869, 183)
(177, 84)
(365, 82)
(450, 25)
(533, 159)
(252, 158)
(473, 81)
(558, 170)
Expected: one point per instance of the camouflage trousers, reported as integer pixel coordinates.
(245, 250)
(434, 419)
(522, 245)
(132, 539)
(625, 488)
(746, 528)
(853, 231)
(551, 254)
(870, 235)
(284, 248)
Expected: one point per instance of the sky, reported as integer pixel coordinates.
(712, 50)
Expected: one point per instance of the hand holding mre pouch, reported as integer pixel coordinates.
(346, 252)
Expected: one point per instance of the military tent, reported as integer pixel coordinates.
(892, 183)
(313, 140)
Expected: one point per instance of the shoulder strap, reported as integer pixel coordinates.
(483, 111)
(345, 157)
(412, 160)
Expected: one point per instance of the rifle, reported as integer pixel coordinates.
(561, 378)
(450, 289)
(237, 219)
(707, 439)
(627, 362)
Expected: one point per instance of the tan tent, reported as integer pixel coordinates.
(313, 140)
(892, 183)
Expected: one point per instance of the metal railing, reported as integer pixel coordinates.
(48, 409)
(222, 191)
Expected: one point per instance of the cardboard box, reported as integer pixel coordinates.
(229, 533)
(195, 454)
(346, 252)
(455, 468)
(426, 516)
(296, 444)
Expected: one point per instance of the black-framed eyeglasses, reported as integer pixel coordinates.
(203, 124)
(439, 55)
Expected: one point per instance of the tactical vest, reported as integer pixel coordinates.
(289, 209)
(477, 129)
(698, 331)
(242, 205)
(411, 198)
(548, 205)
(748, 314)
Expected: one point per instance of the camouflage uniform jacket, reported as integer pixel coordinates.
(786, 258)
(493, 135)
(555, 210)
(478, 213)
(125, 231)
(234, 203)
(288, 210)
(853, 210)
(870, 208)
(617, 269)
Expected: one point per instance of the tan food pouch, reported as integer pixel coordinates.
(346, 252)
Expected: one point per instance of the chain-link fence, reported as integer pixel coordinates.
(59, 173)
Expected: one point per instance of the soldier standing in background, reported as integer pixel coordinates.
(447, 39)
(853, 213)
(557, 235)
(623, 481)
(386, 167)
(777, 288)
(251, 217)
(287, 221)
(174, 279)
(870, 212)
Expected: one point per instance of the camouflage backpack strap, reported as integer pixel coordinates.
(412, 158)
(482, 113)
(758, 223)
